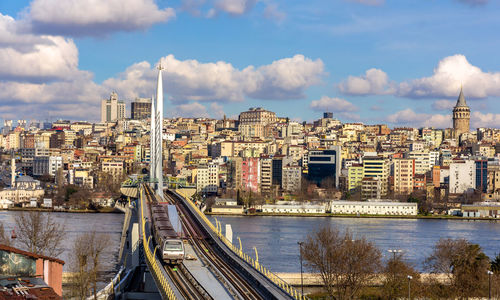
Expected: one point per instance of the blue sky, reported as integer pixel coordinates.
(397, 62)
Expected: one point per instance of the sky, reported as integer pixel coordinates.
(398, 62)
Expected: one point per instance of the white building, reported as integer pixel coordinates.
(291, 178)
(462, 176)
(112, 109)
(47, 165)
(294, 208)
(424, 160)
(481, 210)
(207, 178)
(373, 208)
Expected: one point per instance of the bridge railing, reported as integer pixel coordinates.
(153, 265)
(289, 289)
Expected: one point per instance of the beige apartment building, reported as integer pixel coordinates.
(252, 123)
(404, 171)
(112, 109)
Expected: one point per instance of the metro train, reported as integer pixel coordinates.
(166, 237)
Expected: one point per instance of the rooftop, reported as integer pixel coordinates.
(25, 288)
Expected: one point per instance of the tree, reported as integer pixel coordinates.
(86, 263)
(495, 264)
(4, 237)
(464, 263)
(395, 285)
(344, 264)
(303, 192)
(37, 233)
(80, 197)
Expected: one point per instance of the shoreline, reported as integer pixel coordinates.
(325, 215)
(110, 210)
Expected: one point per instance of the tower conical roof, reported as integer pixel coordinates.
(461, 99)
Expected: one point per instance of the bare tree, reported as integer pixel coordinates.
(4, 237)
(86, 263)
(343, 263)
(37, 233)
(81, 197)
(464, 263)
(396, 273)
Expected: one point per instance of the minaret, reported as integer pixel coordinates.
(461, 116)
(13, 172)
(159, 133)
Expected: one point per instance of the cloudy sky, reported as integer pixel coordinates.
(400, 62)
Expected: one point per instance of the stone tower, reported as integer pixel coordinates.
(461, 116)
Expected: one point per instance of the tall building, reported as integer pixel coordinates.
(292, 177)
(371, 188)
(493, 179)
(461, 116)
(424, 160)
(355, 176)
(207, 178)
(47, 165)
(112, 109)
(325, 164)
(266, 174)
(377, 167)
(482, 175)
(253, 122)
(141, 109)
(250, 174)
(404, 172)
(462, 176)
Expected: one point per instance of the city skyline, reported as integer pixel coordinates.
(370, 61)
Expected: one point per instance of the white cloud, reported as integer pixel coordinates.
(29, 57)
(375, 81)
(216, 110)
(408, 117)
(190, 110)
(286, 78)
(95, 17)
(192, 6)
(77, 99)
(235, 7)
(39, 76)
(451, 73)
(369, 2)
(58, 58)
(272, 12)
(490, 120)
(473, 2)
(138, 80)
(332, 104)
(13, 35)
(191, 80)
(443, 104)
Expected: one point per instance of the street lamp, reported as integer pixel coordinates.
(301, 276)
(394, 251)
(409, 286)
(489, 283)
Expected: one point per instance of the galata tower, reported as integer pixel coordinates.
(461, 116)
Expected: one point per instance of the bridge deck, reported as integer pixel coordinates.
(205, 277)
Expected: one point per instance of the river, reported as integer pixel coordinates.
(276, 237)
(76, 224)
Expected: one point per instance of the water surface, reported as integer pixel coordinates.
(276, 237)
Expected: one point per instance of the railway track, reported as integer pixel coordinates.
(239, 287)
(186, 284)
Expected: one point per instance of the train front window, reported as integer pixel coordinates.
(173, 246)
